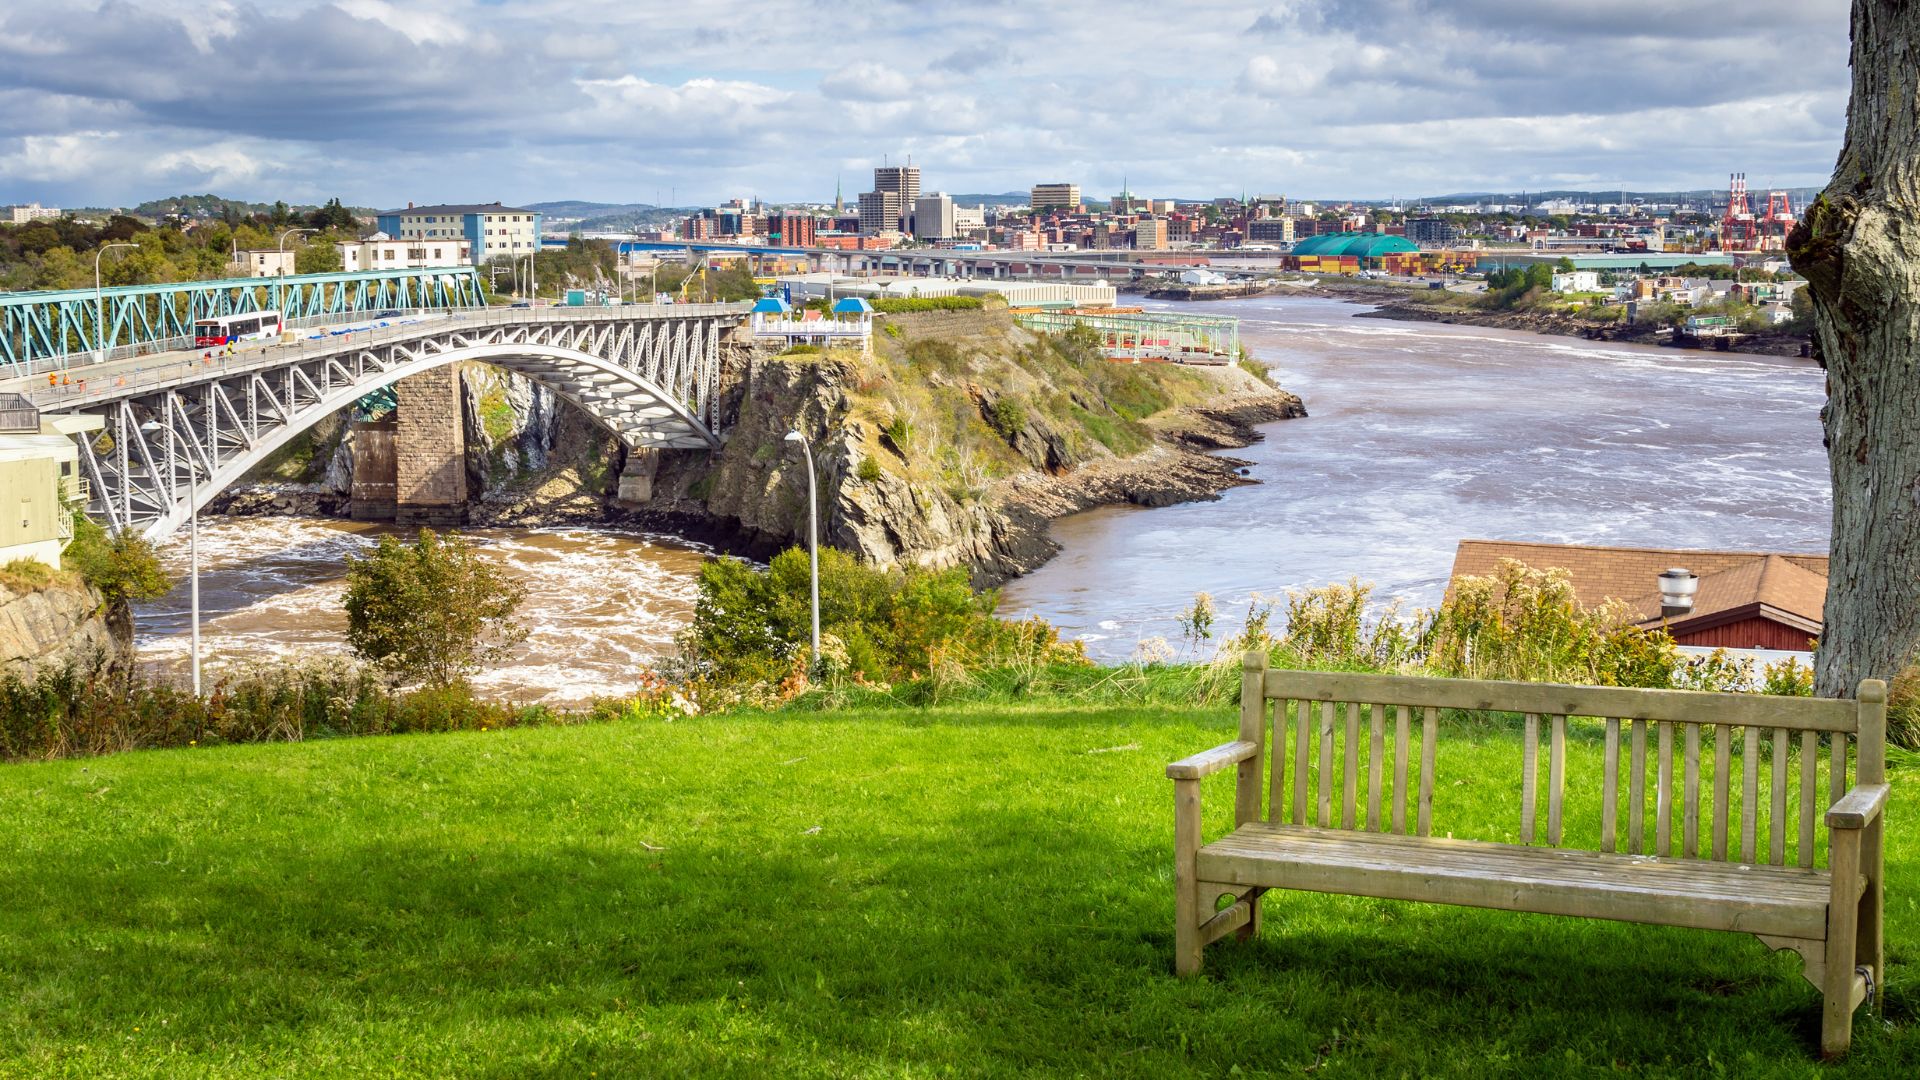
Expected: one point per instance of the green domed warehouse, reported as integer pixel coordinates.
(1355, 245)
(1352, 252)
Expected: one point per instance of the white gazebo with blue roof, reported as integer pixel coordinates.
(849, 323)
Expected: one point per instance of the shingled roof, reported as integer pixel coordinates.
(1787, 587)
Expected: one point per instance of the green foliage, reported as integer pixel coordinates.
(27, 575)
(1007, 417)
(317, 256)
(84, 710)
(891, 329)
(1509, 286)
(752, 628)
(432, 611)
(123, 566)
(901, 305)
(869, 470)
(1523, 623)
(1080, 344)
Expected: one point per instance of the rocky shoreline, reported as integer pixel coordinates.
(1400, 304)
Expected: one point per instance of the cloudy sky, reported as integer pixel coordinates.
(385, 101)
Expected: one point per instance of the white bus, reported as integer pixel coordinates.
(226, 329)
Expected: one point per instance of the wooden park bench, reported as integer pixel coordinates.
(1321, 833)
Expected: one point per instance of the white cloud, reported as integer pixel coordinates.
(866, 81)
(380, 101)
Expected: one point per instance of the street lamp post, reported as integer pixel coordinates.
(99, 304)
(280, 266)
(193, 550)
(813, 540)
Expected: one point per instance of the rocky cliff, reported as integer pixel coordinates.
(47, 625)
(957, 442)
(953, 444)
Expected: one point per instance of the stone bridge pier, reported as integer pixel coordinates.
(412, 469)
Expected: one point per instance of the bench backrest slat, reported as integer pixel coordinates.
(1690, 794)
(1809, 777)
(1556, 779)
(1529, 768)
(1749, 793)
(1401, 742)
(1429, 736)
(1319, 737)
(1637, 791)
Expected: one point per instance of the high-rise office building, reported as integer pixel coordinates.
(933, 217)
(879, 212)
(902, 180)
(1054, 197)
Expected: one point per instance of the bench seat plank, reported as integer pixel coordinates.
(1777, 900)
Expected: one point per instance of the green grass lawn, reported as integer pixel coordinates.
(967, 891)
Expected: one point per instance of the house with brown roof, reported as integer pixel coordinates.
(1745, 599)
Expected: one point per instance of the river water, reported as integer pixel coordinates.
(1419, 435)
(601, 605)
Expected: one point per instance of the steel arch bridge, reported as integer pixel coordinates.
(184, 427)
(44, 329)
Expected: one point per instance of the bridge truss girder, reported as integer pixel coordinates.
(165, 452)
(38, 328)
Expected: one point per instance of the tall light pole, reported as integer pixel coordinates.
(99, 305)
(280, 268)
(813, 540)
(193, 547)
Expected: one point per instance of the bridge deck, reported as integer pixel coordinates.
(81, 385)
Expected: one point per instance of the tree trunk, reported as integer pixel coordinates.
(1858, 246)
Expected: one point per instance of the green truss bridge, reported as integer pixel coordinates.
(48, 330)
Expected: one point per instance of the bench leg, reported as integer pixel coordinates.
(1186, 882)
(1871, 950)
(1251, 931)
(1843, 923)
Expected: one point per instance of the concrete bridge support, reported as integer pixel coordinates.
(430, 450)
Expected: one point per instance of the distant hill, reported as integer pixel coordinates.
(215, 206)
(1714, 196)
(577, 208)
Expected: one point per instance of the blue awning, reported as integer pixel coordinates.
(852, 305)
(770, 305)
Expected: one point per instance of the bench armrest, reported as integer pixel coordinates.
(1858, 807)
(1208, 762)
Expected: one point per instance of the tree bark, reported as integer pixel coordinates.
(1858, 246)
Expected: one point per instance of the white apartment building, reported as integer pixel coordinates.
(263, 262)
(33, 212)
(491, 230)
(383, 252)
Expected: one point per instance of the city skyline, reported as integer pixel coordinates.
(555, 99)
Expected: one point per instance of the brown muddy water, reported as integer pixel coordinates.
(1420, 435)
(601, 605)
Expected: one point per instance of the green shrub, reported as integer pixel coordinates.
(431, 611)
(86, 709)
(752, 628)
(123, 566)
(905, 305)
(1007, 417)
(869, 470)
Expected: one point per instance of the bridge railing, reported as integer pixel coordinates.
(83, 385)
